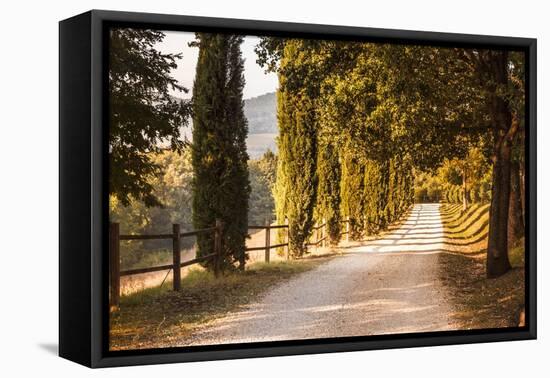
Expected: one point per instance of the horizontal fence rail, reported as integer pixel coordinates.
(319, 233)
(267, 247)
(114, 255)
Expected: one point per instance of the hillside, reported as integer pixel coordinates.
(261, 113)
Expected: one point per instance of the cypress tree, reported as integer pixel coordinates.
(352, 193)
(376, 195)
(392, 206)
(220, 186)
(407, 186)
(328, 190)
(296, 186)
(238, 188)
(401, 183)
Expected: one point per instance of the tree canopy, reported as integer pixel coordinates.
(394, 108)
(143, 116)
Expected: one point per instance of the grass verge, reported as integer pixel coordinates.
(480, 302)
(158, 317)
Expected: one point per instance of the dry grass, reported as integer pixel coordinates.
(479, 302)
(158, 317)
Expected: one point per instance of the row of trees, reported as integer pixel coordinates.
(463, 181)
(324, 171)
(380, 105)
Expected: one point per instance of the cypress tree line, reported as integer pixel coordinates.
(384, 194)
(384, 98)
(375, 194)
(406, 185)
(295, 190)
(328, 189)
(296, 185)
(220, 186)
(352, 194)
(401, 190)
(392, 208)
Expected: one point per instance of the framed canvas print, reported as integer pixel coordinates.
(233, 188)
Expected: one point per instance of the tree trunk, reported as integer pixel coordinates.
(522, 187)
(516, 228)
(497, 248)
(504, 129)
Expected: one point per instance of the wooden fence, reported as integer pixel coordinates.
(319, 232)
(267, 247)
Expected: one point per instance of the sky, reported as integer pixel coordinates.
(257, 82)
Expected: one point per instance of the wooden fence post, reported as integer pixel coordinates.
(176, 257)
(218, 247)
(267, 240)
(114, 262)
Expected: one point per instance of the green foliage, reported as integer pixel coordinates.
(474, 168)
(340, 83)
(403, 187)
(391, 99)
(173, 189)
(270, 52)
(389, 108)
(351, 192)
(328, 189)
(376, 195)
(143, 116)
(261, 205)
(428, 188)
(296, 186)
(221, 186)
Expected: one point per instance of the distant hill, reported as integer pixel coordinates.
(261, 113)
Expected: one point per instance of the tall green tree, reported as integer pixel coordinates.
(328, 190)
(296, 186)
(221, 187)
(143, 116)
(352, 193)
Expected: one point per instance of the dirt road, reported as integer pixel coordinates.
(384, 286)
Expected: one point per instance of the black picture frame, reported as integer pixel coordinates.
(83, 205)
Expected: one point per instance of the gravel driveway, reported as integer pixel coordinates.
(384, 286)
